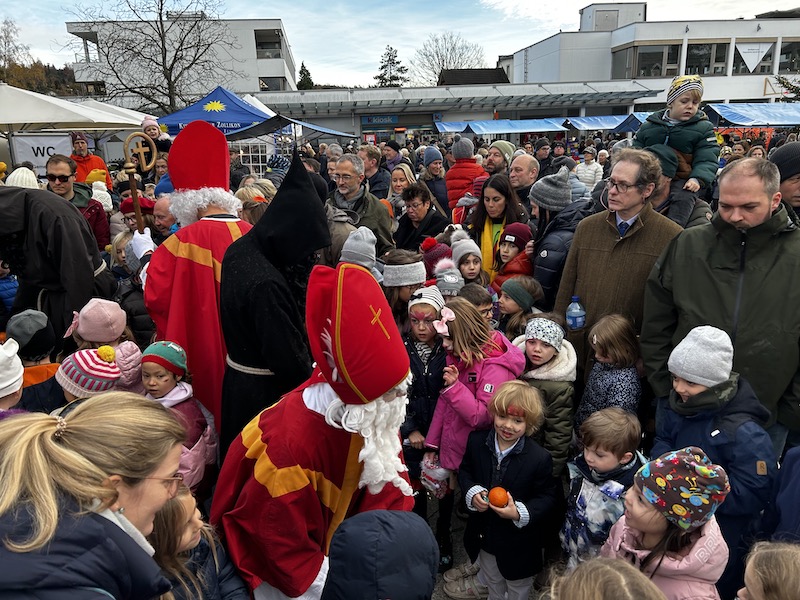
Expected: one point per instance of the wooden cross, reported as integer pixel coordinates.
(376, 318)
(140, 150)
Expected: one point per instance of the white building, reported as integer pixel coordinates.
(259, 59)
(737, 59)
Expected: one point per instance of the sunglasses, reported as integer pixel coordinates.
(60, 178)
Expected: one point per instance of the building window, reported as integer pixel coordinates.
(271, 84)
(622, 64)
(790, 57)
(657, 61)
(268, 43)
(764, 66)
(706, 59)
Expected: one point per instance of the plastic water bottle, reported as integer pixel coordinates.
(576, 314)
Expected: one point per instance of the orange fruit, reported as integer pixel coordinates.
(498, 497)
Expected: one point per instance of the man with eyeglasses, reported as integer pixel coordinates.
(352, 196)
(60, 173)
(613, 251)
(86, 161)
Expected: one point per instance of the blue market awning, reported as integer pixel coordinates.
(277, 123)
(755, 114)
(594, 123)
(631, 123)
(223, 109)
(451, 126)
(501, 126)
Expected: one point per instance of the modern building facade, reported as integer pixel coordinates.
(737, 59)
(258, 58)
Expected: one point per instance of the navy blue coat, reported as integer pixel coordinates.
(89, 558)
(422, 397)
(527, 473)
(219, 579)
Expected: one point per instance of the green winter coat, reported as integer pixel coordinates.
(555, 381)
(374, 216)
(744, 283)
(694, 141)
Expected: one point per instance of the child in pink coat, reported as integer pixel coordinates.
(669, 531)
(479, 360)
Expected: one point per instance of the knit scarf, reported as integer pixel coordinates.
(713, 398)
(489, 236)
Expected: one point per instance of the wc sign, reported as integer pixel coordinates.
(38, 148)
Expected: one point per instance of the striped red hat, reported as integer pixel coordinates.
(90, 372)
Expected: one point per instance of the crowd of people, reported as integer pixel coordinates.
(224, 384)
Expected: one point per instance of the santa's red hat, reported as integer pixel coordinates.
(354, 340)
(199, 158)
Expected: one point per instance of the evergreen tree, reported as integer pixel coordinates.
(391, 73)
(791, 86)
(305, 82)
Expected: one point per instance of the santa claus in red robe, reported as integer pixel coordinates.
(182, 286)
(327, 450)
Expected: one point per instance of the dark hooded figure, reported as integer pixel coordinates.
(52, 251)
(263, 288)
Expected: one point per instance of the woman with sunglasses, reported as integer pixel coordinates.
(78, 495)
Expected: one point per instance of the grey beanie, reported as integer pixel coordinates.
(359, 248)
(463, 245)
(448, 277)
(564, 161)
(400, 275)
(34, 333)
(552, 192)
(546, 331)
(463, 148)
(787, 159)
(704, 356)
(431, 154)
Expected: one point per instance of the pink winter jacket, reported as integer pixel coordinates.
(691, 577)
(463, 407)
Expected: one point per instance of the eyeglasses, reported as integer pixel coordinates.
(171, 483)
(337, 177)
(61, 178)
(621, 187)
(486, 312)
(131, 219)
(415, 206)
(413, 287)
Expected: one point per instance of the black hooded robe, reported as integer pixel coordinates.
(263, 325)
(58, 253)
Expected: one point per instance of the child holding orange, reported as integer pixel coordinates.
(505, 535)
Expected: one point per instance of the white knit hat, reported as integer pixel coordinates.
(100, 193)
(11, 369)
(428, 295)
(23, 177)
(704, 356)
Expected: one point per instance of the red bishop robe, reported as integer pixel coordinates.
(288, 481)
(182, 296)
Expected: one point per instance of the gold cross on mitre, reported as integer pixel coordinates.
(376, 318)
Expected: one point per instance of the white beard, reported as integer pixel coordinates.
(378, 422)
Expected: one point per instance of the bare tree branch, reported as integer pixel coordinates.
(442, 51)
(166, 53)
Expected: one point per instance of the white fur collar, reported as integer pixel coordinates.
(563, 367)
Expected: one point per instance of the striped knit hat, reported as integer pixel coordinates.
(88, 373)
(682, 84)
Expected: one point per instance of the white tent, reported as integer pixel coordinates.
(29, 111)
(115, 110)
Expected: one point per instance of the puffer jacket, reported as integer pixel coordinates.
(219, 579)
(555, 381)
(690, 577)
(694, 142)
(519, 265)
(551, 250)
(578, 189)
(732, 436)
(459, 179)
(742, 282)
(463, 406)
(88, 558)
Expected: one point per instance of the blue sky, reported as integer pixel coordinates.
(341, 41)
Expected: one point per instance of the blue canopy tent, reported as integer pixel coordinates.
(501, 126)
(223, 109)
(631, 123)
(594, 123)
(755, 114)
(279, 122)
